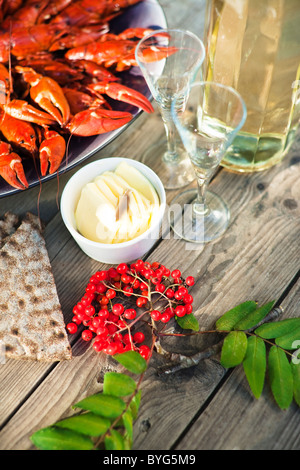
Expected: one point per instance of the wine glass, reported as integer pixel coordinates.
(212, 116)
(169, 60)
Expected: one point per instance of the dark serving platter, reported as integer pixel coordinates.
(146, 14)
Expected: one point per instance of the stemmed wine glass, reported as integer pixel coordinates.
(169, 60)
(212, 116)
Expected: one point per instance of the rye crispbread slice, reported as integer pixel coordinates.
(8, 225)
(31, 319)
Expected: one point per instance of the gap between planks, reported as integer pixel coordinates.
(245, 423)
(68, 297)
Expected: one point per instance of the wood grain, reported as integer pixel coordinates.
(257, 258)
(235, 420)
(219, 272)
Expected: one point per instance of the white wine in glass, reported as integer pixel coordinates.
(211, 118)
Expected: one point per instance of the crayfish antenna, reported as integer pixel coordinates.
(9, 61)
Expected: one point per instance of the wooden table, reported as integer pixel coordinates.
(206, 406)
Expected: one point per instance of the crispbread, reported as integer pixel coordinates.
(8, 225)
(31, 319)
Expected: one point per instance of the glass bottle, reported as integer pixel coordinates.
(254, 46)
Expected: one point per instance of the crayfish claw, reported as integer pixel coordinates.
(155, 53)
(20, 109)
(122, 93)
(11, 168)
(97, 121)
(47, 93)
(52, 151)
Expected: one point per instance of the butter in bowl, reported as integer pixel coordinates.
(114, 209)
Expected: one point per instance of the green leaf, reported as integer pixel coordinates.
(227, 321)
(134, 404)
(254, 317)
(114, 441)
(53, 438)
(276, 329)
(88, 424)
(255, 364)
(234, 349)
(118, 385)
(128, 423)
(127, 442)
(132, 361)
(296, 378)
(281, 378)
(188, 322)
(103, 405)
(289, 340)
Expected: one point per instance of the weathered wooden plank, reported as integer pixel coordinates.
(220, 281)
(239, 267)
(56, 237)
(17, 377)
(257, 258)
(235, 420)
(62, 387)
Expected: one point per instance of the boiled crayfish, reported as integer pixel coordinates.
(57, 61)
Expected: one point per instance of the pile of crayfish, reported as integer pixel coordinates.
(57, 60)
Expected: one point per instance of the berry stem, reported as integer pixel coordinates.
(103, 312)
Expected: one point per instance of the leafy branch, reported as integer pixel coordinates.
(249, 331)
(246, 344)
(106, 419)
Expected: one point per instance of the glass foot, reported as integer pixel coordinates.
(189, 221)
(173, 175)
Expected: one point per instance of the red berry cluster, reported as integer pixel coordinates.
(110, 323)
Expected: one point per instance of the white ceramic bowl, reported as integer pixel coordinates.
(118, 252)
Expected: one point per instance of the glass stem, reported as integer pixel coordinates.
(171, 155)
(200, 206)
